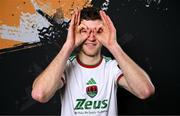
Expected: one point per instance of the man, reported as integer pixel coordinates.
(88, 81)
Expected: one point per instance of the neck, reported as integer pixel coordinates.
(89, 60)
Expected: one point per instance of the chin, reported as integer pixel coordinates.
(90, 51)
(91, 54)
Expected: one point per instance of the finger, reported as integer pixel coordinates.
(79, 14)
(71, 26)
(106, 19)
(72, 20)
(110, 23)
(103, 17)
(76, 17)
(82, 26)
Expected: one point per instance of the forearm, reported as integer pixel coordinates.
(50, 80)
(136, 78)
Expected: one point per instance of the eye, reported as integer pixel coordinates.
(100, 30)
(83, 30)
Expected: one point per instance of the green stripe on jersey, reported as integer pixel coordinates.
(107, 58)
(71, 58)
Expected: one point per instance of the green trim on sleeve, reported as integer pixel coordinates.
(71, 58)
(107, 59)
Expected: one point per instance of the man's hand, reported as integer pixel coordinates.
(106, 33)
(77, 33)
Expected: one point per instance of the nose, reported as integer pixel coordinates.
(92, 36)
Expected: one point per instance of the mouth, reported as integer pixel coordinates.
(90, 44)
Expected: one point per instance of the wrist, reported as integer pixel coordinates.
(68, 47)
(115, 49)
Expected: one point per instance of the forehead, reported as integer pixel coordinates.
(92, 23)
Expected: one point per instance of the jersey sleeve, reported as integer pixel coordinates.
(116, 71)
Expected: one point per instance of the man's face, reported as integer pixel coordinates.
(91, 46)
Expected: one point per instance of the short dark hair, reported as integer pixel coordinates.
(90, 13)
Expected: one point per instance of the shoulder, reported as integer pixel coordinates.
(110, 62)
(70, 61)
(107, 59)
(72, 58)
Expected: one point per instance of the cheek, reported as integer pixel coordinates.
(99, 43)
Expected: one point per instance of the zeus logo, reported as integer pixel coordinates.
(84, 104)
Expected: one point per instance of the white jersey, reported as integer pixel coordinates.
(90, 90)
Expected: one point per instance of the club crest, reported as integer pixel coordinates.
(91, 88)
